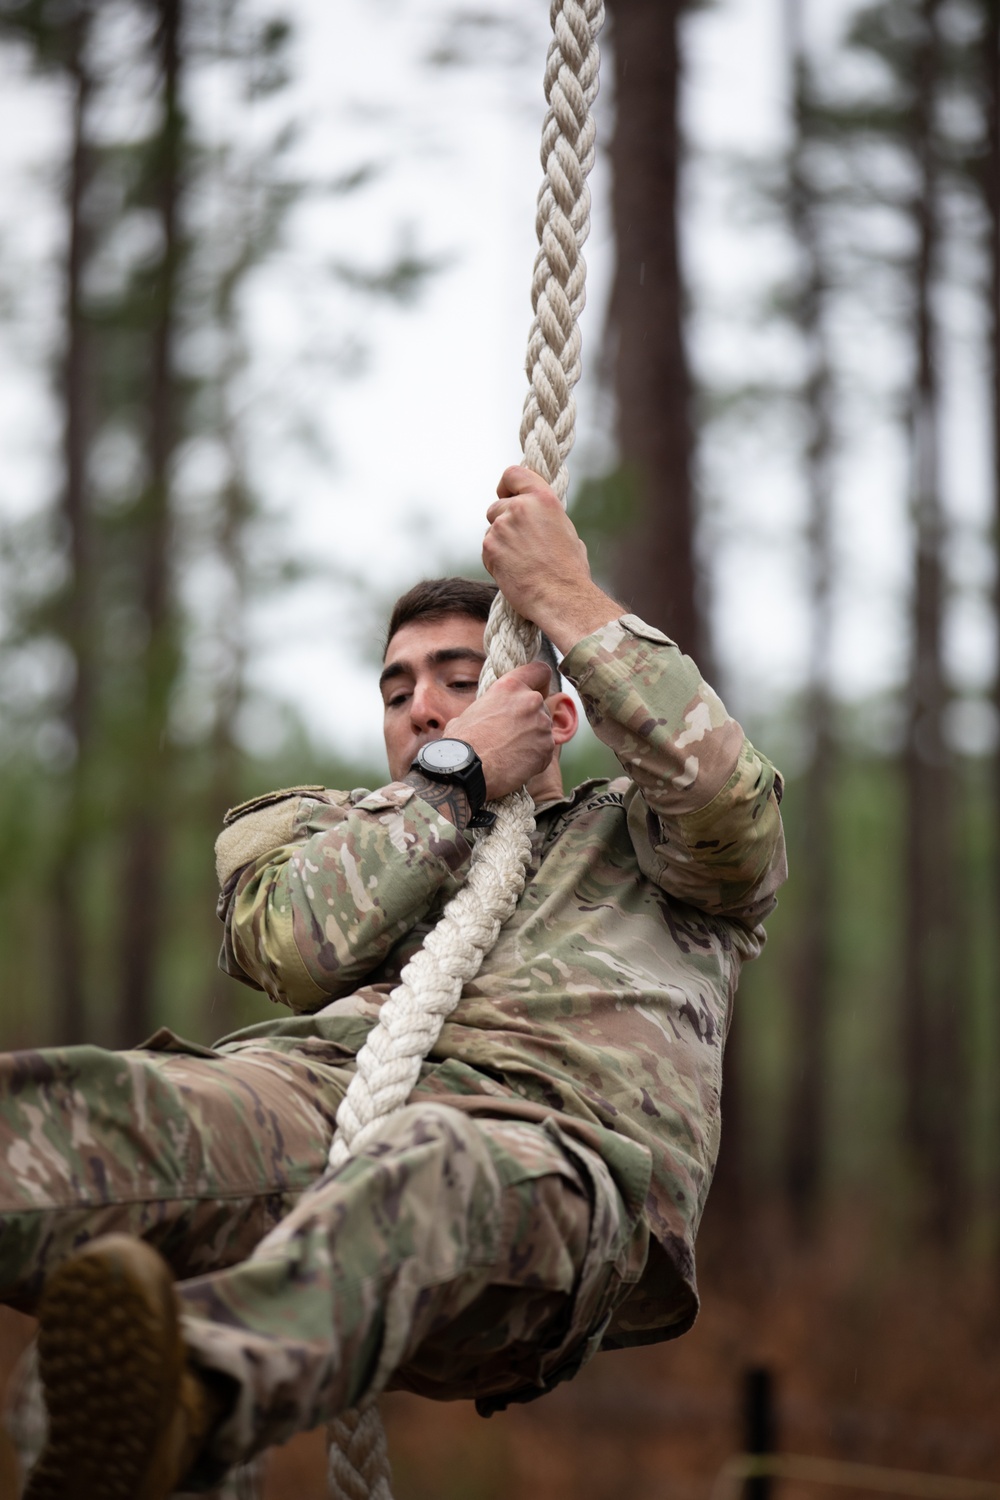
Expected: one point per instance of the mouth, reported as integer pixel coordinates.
(418, 744)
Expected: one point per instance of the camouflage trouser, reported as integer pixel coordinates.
(456, 1255)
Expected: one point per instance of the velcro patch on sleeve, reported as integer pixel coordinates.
(266, 799)
(253, 835)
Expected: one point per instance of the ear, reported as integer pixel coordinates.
(565, 717)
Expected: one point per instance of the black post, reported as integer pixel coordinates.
(759, 1427)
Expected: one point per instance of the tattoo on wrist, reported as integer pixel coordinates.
(447, 796)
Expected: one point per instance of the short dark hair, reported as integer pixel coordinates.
(433, 598)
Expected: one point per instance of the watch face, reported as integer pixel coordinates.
(446, 755)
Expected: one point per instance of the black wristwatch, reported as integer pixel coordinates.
(457, 762)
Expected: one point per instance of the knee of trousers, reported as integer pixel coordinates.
(435, 1155)
(457, 1194)
(502, 1178)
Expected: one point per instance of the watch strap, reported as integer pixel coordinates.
(472, 780)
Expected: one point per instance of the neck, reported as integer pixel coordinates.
(547, 786)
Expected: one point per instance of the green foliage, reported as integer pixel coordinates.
(863, 1068)
(191, 995)
(402, 279)
(603, 510)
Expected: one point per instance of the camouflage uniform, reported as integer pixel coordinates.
(539, 1196)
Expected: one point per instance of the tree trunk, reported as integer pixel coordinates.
(656, 570)
(69, 883)
(806, 1146)
(991, 185)
(147, 830)
(656, 573)
(224, 783)
(934, 988)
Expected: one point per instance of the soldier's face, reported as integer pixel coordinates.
(431, 674)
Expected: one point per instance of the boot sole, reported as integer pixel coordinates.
(111, 1361)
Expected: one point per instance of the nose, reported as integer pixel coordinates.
(428, 711)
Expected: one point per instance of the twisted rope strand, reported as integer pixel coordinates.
(358, 1463)
(430, 987)
(562, 223)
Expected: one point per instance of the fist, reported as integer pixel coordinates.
(531, 548)
(533, 551)
(510, 728)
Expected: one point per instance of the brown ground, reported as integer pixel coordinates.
(879, 1357)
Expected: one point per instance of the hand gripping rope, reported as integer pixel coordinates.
(411, 1018)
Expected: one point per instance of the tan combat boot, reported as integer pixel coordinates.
(127, 1417)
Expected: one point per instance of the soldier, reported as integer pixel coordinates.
(538, 1197)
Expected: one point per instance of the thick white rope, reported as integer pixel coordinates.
(430, 987)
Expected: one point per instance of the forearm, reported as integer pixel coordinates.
(446, 797)
(569, 615)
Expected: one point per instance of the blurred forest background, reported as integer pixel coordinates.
(853, 1239)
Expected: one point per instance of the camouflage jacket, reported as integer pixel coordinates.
(607, 997)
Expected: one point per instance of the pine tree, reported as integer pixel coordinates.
(655, 569)
(147, 820)
(59, 38)
(907, 39)
(806, 1134)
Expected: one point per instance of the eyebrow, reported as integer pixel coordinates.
(433, 659)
